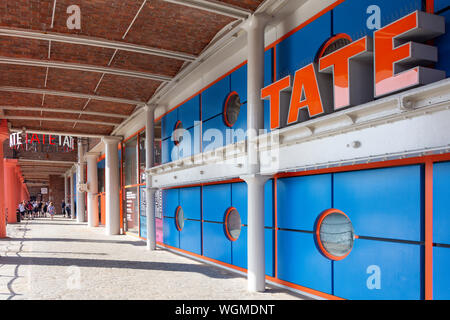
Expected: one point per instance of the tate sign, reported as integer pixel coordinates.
(17, 140)
(397, 58)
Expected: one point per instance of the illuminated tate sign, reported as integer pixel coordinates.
(23, 140)
(397, 58)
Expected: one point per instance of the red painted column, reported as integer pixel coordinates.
(18, 192)
(3, 136)
(10, 187)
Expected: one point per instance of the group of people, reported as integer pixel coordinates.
(36, 209)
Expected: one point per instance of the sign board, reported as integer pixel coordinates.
(44, 191)
(360, 71)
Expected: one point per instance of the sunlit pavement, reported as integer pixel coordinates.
(62, 259)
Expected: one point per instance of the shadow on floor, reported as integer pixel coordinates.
(206, 270)
(134, 243)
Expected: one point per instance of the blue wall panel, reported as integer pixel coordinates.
(441, 4)
(399, 265)
(214, 97)
(300, 262)
(443, 44)
(166, 150)
(441, 202)
(239, 199)
(268, 204)
(301, 200)
(269, 246)
(300, 49)
(239, 250)
(190, 201)
(239, 82)
(189, 112)
(189, 145)
(215, 244)
(216, 200)
(441, 275)
(385, 203)
(168, 123)
(214, 133)
(170, 202)
(191, 236)
(356, 27)
(171, 235)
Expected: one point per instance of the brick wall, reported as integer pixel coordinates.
(56, 191)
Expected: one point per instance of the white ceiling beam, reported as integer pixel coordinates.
(84, 67)
(106, 123)
(69, 94)
(96, 42)
(215, 7)
(92, 113)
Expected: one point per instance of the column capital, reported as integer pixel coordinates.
(111, 139)
(90, 155)
(257, 20)
(258, 178)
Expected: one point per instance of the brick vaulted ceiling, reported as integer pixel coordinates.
(93, 88)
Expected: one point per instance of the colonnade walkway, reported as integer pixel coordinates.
(62, 259)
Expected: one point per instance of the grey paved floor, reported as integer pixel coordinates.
(60, 259)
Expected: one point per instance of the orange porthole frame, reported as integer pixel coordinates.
(330, 41)
(224, 113)
(322, 216)
(176, 218)
(227, 232)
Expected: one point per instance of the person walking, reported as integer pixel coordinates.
(51, 210)
(63, 207)
(29, 208)
(22, 209)
(45, 209)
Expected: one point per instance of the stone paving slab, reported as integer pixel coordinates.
(62, 259)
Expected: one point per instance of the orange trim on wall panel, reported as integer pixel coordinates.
(302, 25)
(205, 184)
(365, 166)
(134, 134)
(430, 6)
(304, 289)
(429, 230)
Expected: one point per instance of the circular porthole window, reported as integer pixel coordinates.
(233, 224)
(178, 133)
(334, 43)
(231, 109)
(179, 218)
(335, 234)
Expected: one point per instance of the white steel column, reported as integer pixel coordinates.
(255, 183)
(81, 196)
(72, 199)
(255, 82)
(112, 185)
(92, 181)
(150, 191)
(256, 274)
